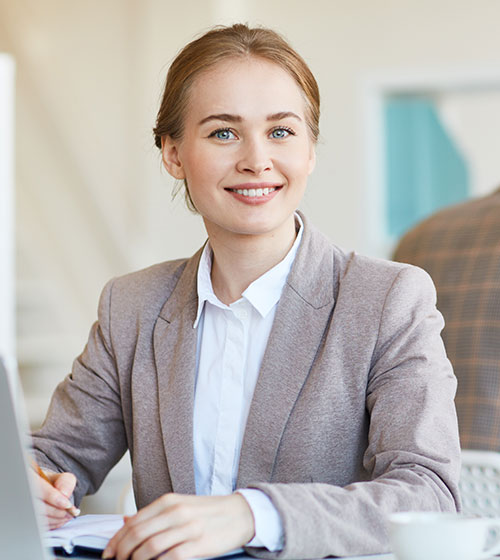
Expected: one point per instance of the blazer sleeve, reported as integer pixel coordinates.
(83, 432)
(413, 453)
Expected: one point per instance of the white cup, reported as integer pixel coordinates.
(442, 536)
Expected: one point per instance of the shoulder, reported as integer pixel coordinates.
(324, 272)
(156, 280)
(369, 271)
(389, 306)
(144, 292)
(378, 281)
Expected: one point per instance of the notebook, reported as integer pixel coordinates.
(21, 521)
(88, 532)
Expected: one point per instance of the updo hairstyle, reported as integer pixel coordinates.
(217, 45)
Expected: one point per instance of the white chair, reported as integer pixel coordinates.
(480, 483)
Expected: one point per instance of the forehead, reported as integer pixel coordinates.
(247, 87)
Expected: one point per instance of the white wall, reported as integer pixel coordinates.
(92, 201)
(7, 292)
(473, 117)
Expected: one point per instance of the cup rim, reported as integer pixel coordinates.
(432, 517)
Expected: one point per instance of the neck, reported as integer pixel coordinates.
(238, 260)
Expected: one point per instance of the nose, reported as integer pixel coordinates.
(254, 157)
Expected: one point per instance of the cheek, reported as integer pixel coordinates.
(204, 176)
(207, 166)
(299, 163)
(195, 169)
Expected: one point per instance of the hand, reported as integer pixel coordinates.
(55, 491)
(177, 527)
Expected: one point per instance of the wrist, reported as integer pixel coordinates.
(246, 516)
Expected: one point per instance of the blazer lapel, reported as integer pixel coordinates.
(174, 341)
(301, 318)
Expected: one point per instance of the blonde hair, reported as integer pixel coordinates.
(222, 43)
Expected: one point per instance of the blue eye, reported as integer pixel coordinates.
(281, 132)
(223, 134)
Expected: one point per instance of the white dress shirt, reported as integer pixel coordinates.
(231, 344)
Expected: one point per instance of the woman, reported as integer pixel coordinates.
(301, 392)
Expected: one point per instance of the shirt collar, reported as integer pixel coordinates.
(262, 294)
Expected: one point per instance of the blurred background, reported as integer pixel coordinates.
(410, 123)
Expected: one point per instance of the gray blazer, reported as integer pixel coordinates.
(352, 416)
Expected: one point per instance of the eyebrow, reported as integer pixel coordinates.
(221, 117)
(283, 115)
(227, 117)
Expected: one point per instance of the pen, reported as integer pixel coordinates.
(73, 511)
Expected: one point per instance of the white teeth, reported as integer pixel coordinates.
(255, 192)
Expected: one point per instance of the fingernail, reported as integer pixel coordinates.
(106, 554)
(75, 512)
(63, 502)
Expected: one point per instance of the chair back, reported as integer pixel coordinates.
(480, 483)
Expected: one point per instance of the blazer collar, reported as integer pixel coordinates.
(301, 319)
(174, 343)
(315, 270)
(302, 315)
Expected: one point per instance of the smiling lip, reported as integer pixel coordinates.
(254, 193)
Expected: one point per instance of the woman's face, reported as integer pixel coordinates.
(246, 151)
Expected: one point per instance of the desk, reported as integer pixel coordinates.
(241, 557)
(374, 557)
(88, 556)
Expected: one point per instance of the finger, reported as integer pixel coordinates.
(55, 517)
(184, 551)
(142, 526)
(148, 513)
(65, 483)
(52, 496)
(56, 523)
(109, 551)
(133, 533)
(162, 542)
(115, 539)
(150, 539)
(56, 513)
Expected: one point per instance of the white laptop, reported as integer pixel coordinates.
(21, 523)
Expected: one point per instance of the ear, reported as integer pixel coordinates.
(312, 158)
(170, 157)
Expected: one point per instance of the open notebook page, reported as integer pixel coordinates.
(87, 531)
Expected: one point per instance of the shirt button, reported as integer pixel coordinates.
(241, 313)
